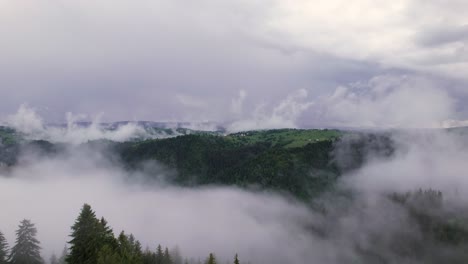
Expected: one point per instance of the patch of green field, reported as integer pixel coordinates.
(8, 136)
(287, 138)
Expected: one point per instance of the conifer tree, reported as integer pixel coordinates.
(108, 255)
(83, 242)
(176, 256)
(26, 249)
(126, 251)
(129, 249)
(148, 257)
(135, 247)
(167, 257)
(159, 255)
(105, 234)
(211, 259)
(3, 249)
(89, 236)
(236, 259)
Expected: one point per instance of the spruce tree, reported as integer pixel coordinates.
(3, 249)
(105, 234)
(108, 255)
(211, 259)
(159, 255)
(167, 257)
(89, 236)
(26, 249)
(129, 249)
(176, 256)
(236, 259)
(136, 247)
(148, 257)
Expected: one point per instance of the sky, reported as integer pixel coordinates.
(247, 63)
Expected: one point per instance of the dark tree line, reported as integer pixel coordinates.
(92, 242)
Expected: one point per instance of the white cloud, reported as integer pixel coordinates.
(391, 101)
(31, 125)
(284, 115)
(451, 123)
(386, 32)
(26, 120)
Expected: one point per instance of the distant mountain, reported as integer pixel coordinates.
(199, 126)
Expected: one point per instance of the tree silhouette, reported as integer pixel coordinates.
(26, 249)
(3, 249)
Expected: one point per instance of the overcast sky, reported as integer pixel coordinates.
(254, 63)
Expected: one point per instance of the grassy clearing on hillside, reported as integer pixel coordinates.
(287, 138)
(8, 136)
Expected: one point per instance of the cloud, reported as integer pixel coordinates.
(387, 33)
(451, 123)
(26, 120)
(283, 115)
(237, 104)
(133, 60)
(444, 36)
(389, 101)
(31, 125)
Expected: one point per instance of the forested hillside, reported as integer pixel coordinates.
(302, 163)
(278, 160)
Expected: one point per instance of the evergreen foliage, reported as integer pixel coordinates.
(89, 236)
(159, 255)
(3, 249)
(211, 259)
(167, 259)
(27, 249)
(176, 256)
(148, 257)
(304, 171)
